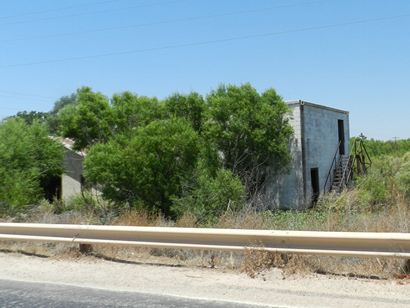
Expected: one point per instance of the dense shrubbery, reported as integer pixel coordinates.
(211, 196)
(28, 158)
(145, 153)
(388, 180)
(184, 154)
(378, 148)
(148, 169)
(386, 184)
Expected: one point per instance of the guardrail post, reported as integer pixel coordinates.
(406, 267)
(86, 248)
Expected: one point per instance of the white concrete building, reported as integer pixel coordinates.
(70, 183)
(72, 179)
(320, 148)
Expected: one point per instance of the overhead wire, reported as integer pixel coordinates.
(206, 42)
(89, 13)
(170, 21)
(14, 94)
(58, 9)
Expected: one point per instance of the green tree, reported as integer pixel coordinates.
(147, 168)
(63, 102)
(190, 107)
(88, 121)
(250, 132)
(53, 119)
(131, 111)
(27, 158)
(32, 116)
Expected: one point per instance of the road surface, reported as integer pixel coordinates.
(93, 282)
(28, 294)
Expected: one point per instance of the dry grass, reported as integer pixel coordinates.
(335, 213)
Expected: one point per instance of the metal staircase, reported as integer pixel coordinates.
(342, 173)
(343, 167)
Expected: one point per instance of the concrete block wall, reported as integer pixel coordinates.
(71, 179)
(286, 191)
(321, 141)
(316, 127)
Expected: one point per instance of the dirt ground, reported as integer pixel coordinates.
(270, 288)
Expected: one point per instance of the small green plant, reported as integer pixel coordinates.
(212, 197)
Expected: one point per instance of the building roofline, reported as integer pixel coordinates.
(67, 143)
(305, 103)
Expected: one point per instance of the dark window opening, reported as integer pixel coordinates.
(341, 130)
(52, 187)
(314, 178)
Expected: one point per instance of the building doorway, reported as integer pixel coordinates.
(51, 187)
(314, 179)
(341, 131)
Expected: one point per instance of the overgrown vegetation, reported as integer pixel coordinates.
(377, 148)
(29, 159)
(186, 153)
(189, 161)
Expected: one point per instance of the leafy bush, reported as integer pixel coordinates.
(190, 107)
(372, 189)
(28, 157)
(88, 120)
(212, 196)
(378, 148)
(148, 168)
(131, 111)
(403, 179)
(18, 188)
(250, 131)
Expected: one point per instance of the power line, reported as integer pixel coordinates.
(14, 94)
(170, 21)
(207, 42)
(89, 13)
(58, 9)
(14, 108)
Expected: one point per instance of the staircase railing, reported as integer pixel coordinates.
(347, 172)
(330, 175)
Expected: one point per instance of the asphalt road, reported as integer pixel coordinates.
(27, 294)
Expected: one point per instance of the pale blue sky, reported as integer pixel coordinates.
(348, 54)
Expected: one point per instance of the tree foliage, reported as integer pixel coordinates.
(249, 130)
(28, 157)
(186, 152)
(89, 120)
(131, 111)
(63, 102)
(32, 116)
(143, 151)
(190, 107)
(147, 169)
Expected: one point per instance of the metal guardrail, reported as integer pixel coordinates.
(304, 242)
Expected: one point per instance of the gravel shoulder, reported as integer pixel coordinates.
(212, 284)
